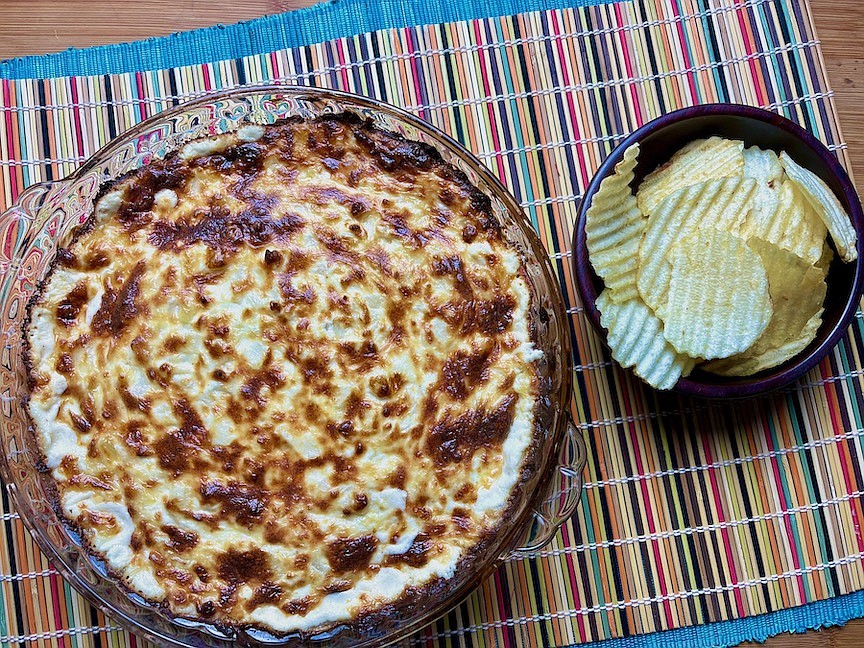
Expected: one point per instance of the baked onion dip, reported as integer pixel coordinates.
(286, 378)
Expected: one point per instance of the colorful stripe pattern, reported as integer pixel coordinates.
(693, 512)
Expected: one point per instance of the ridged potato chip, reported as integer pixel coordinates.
(718, 204)
(785, 218)
(718, 302)
(797, 292)
(829, 209)
(698, 161)
(636, 340)
(824, 262)
(613, 229)
(763, 167)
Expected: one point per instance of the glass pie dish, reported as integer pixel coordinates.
(46, 216)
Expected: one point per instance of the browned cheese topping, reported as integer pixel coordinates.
(286, 375)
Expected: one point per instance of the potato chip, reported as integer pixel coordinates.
(739, 365)
(718, 302)
(613, 229)
(824, 262)
(797, 292)
(719, 204)
(792, 225)
(636, 340)
(699, 161)
(829, 209)
(763, 167)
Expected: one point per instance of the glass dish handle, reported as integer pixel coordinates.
(29, 202)
(562, 495)
(30, 228)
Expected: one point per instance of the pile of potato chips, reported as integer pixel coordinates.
(719, 260)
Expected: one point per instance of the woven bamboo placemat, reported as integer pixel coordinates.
(693, 512)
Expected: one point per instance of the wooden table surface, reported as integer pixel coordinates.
(40, 26)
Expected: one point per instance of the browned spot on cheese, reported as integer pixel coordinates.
(178, 539)
(176, 448)
(217, 348)
(135, 211)
(89, 480)
(139, 347)
(337, 585)
(81, 424)
(400, 228)
(466, 493)
(272, 257)
(131, 401)
(64, 364)
(97, 518)
(174, 342)
(227, 456)
(454, 441)
(386, 386)
(355, 405)
(489, 316)
(220, 229)
(361, 356)
(96, 259)
(351, 554)
(274, 533)
(337, 246)
(397, 479)
(316, 372)
(135, 438)
(324, 195)
(70, 307)
(382, 261)
(66, 258)
(292, 294)
(345, 428)
(242, 159)
(253, 471)
(118, 309)
(393, 152)
(453, 266)
(235, 566)
(417, 554)
(461, 519)
(463, 371)
(244, 502)
(270, 377)
(267, 592)
(298, 606)
(202, 573)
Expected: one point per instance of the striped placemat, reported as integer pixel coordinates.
(694, 513)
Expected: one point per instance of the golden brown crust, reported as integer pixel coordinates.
(460, 419)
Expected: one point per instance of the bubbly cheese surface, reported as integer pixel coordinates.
(285, 377)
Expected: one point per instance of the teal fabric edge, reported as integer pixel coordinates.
(831, 612)
(321, 22)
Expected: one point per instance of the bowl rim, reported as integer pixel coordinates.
(778, 377)
(545, 465)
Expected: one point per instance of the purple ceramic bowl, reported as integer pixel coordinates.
(658, 140)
